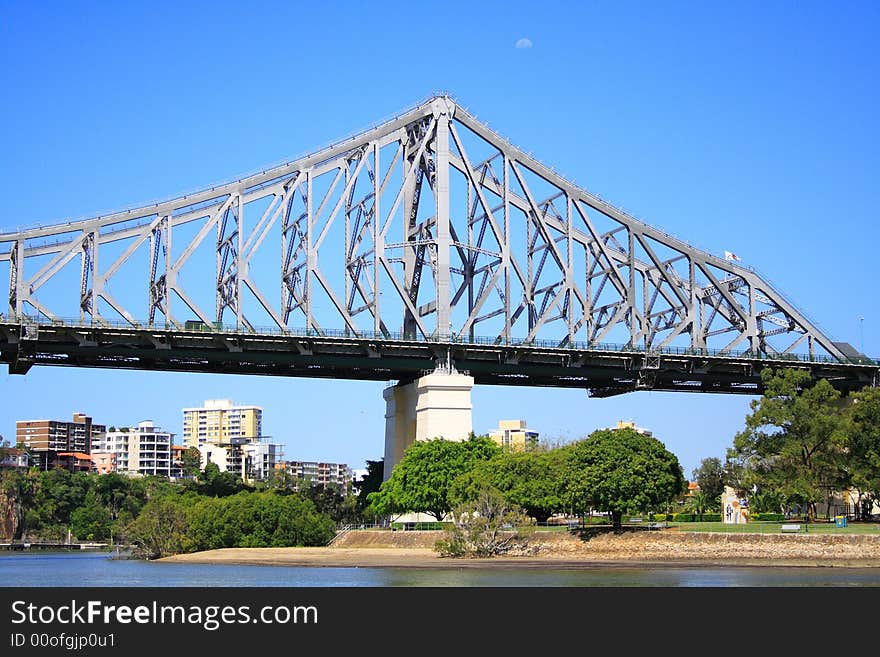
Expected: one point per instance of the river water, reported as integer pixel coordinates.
(78, 569)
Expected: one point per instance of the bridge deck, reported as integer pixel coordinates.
(601, 370)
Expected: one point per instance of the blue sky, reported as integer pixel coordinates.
(749, 127)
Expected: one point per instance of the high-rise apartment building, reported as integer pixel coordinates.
(48, 438)
(145, 449)
(220, 421)
(231, 437)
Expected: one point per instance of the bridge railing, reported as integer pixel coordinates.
(564, 346)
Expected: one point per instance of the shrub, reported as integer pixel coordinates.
(485, 527)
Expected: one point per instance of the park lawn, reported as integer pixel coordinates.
(761, 527)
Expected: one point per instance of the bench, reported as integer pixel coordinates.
(790, 529)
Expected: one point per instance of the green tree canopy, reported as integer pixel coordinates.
(793, 443)
(421, 481)
(191, 462)
(711, 477)
(531, 480)
(862, 428)
(369, 483)
(91, 521)
(216, 483)
(160, 529)
(622, 471)
(333, 501)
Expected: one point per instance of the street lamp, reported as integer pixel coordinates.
(862, 333)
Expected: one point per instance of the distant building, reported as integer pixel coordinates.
(12, 457)
(629, 424)
(47, 439)
(75, 462)
(231, 437)
(514, 435)
(315, 473)
(220, 421)
(228, 458)
(143, 450)
(259, 460)
(105, 462)
(251, 460)
(177, 452)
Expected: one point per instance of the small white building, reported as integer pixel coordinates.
(259, 459)
(250, 459)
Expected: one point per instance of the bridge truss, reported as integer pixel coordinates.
(428, 237)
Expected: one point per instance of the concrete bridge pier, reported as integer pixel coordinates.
(437, 405)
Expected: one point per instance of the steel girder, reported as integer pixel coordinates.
(429, 225)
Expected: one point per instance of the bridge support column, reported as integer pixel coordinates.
(437, 405)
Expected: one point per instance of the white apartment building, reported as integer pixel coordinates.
(251, 460)
(259, 459)
(144, 449)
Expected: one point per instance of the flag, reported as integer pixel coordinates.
(730, 256)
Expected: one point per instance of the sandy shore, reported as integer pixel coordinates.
(370, 549)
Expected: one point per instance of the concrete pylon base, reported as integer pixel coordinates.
(437, 405)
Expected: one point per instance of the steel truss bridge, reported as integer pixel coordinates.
(425, 239)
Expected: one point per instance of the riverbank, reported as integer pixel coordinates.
(377, 549)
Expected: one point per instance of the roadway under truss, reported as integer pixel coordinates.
(399, 247)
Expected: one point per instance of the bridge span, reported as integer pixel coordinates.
(426, 242)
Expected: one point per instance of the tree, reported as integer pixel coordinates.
(58, 492)
(529, 480)
(793, 443)
(215, 483)
(862, 430)
(622, 471)
(160, 529)
(92, 520)
(486, 525)
(369, 483)
(711, 477)
(699, 503)
(421, 481)
(331, 500)
(191, 461)
(279, 480)
(761, 501)
(261, 519)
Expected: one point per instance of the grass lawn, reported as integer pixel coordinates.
(759, 527)
(756, 527)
